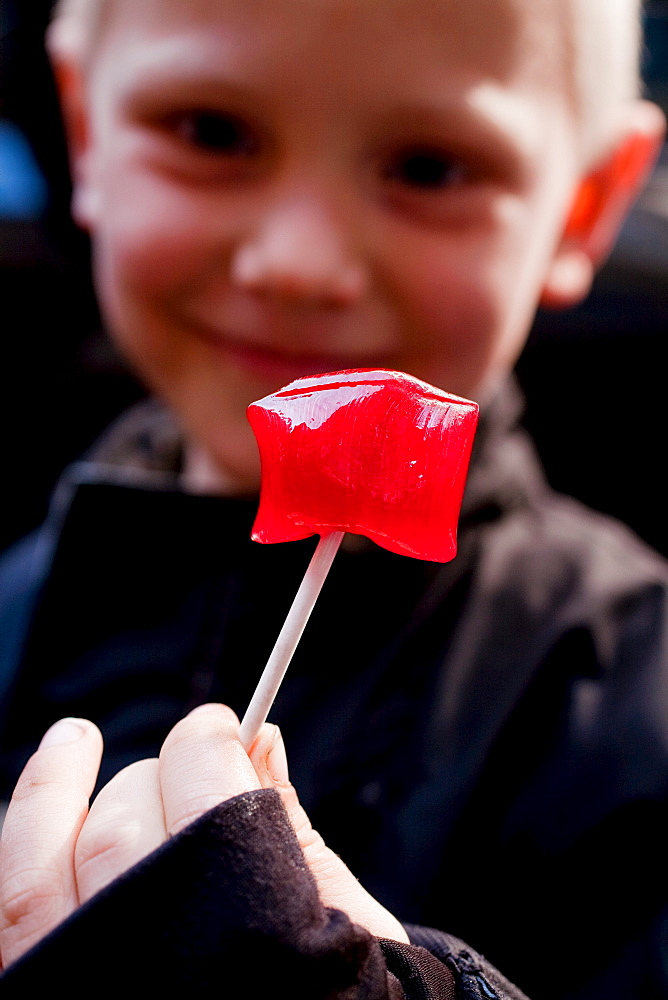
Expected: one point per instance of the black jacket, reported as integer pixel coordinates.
(485, 743)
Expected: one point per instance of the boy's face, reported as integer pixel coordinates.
(287, 187)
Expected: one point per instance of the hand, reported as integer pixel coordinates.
(55, 853)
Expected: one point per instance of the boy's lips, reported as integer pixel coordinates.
(278, 364)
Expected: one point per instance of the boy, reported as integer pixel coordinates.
(285, 187)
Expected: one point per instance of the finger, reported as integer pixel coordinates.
(48, 808)
(337, 886)
(268, 757)
(202, 763)
(270, 761)
(125, 823)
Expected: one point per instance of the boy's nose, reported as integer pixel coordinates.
(298, 253)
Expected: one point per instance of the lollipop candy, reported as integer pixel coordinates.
(377, 453)
(373, 452)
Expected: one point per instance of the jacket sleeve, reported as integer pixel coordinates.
(230, 904)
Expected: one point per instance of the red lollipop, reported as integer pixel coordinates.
(376, 453)
(373, 452)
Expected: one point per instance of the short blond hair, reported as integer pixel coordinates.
(600, 50)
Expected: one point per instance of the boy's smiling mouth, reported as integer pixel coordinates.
(280, 364)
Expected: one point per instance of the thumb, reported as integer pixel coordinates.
(337, 886)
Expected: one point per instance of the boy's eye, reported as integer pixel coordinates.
(423, 168)
(216, 133)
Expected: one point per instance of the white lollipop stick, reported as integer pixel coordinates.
(289, 636)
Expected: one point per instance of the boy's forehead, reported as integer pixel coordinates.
(499, 37)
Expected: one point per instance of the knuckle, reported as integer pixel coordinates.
(311, 842)
(192, 810)
(30, 898)
(105, 846)
(34, 782)
(216, 721)
(299, 818)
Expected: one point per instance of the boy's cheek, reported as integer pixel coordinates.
(153, 234)
(453, 297)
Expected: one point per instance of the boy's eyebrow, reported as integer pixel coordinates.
(508, 116)
(486, 111)
(173, 54)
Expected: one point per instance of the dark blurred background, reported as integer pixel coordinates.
(593, 377)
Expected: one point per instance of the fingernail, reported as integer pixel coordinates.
(277, 761)
(63, 731)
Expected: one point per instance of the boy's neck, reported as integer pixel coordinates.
(202, 474)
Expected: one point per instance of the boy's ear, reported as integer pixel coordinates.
(602, 202)
(66, 63)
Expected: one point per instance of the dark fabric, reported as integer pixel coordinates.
(229, 905)
(485, 743)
